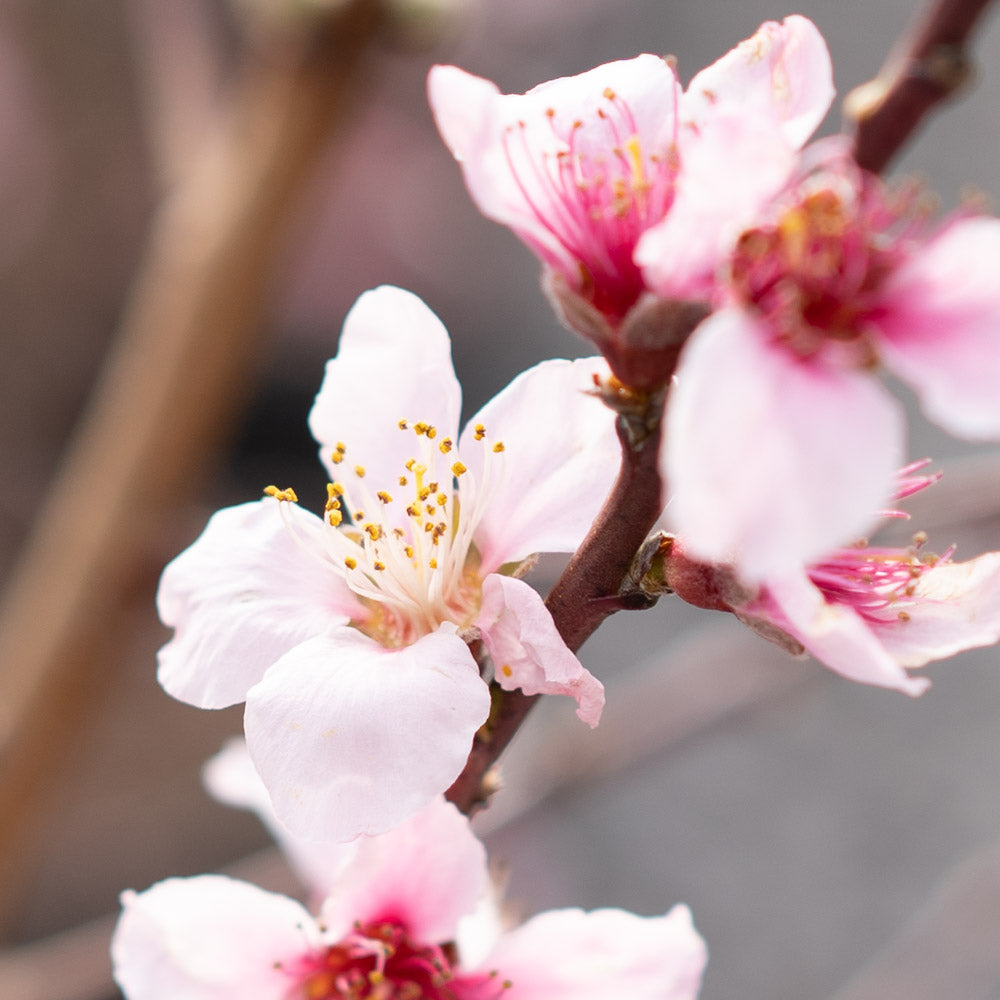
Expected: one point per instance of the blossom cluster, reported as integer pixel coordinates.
(742, 286)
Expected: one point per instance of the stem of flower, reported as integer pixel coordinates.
(590, 588)
(928, 65)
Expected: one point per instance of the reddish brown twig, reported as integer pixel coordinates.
(589, 589)
(929, 64)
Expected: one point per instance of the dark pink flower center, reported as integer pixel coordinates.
(380, 962)
(594, 188)
(815, 272)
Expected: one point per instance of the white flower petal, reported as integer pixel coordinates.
(393, 363)
(240, 597)
(560, 459)
(573, 955)
(954, 606)
(772, 461)
(527, 651)
(210, 938)
(351, 738)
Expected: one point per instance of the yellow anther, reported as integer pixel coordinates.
(402, 425)
(424, 492)
(359, 516)
(403, 480)
(446, 445)
(480, 432)
(432, 432)
(341, 447)
(285, 495)
(428, 526)
(498, 447)
(334, 490)
(433, 563)
(506, 671)
(373, 531)
(420, 428)
(409, 551)
(412, 510)
(432, 487)
(609, 93)
(379, 566)
(335, 518)
(383, 496)
(375, 977)
(442, 499)
(359, 471)
(399, 533)
(457, 469)
(550, 112)
(350, 562)
(431, 510)
(410, 462)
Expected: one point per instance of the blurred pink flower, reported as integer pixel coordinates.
(347, 635)
(397, 923)
(779, 444)
(581, 167)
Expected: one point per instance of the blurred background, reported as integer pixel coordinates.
(832, 840)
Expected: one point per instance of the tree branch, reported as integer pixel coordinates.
(929, 64)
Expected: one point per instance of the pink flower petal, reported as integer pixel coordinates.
(528, 652)
(782, 74)
(731, 167)
(424, 875)
(954, 606)
(560, 458)
(240, 597)
(835, 634)
(940, 315)
(772, 461)
(572, 955)
(352, 738)
(209, 938)
(509, 147)
(393, 363)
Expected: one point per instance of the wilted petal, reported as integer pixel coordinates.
(425, 875)
(527, 651)
(940, 316)
(209, 938)
(835, 634)
(772, 461)
(241, 597)
(953, 607)
(782, 74)
(560, 457)
(352, 738)
(393, 363)
(573, 955)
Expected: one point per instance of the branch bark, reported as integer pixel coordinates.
(928, 65)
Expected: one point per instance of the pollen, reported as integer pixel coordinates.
(378, 566)
(446, 445)
(334, 490)
(421, 428)
(457, 469)
(402, 425)
(403, 480)
(350, 562)
(480, 432)
(433, 563)
(498, 447)
(373, 531)
(359, 471)
(506, 671)
(335, 518)
(441, 499)
(609, 94)
(383, 496)
(287, 495)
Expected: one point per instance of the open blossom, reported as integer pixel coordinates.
(779, 441)
(581, 167)
(868, 612)
(347, 635)
(394, 925)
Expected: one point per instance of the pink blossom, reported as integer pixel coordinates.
(347, 635)
(868, 612)
(779, 442)
(392, 926)
(581, 167)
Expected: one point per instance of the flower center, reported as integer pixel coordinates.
(595, 189)
(816, 270)
(380, 962)
(406, 549)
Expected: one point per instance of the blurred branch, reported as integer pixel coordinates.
(929, 64)
(182, 363)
